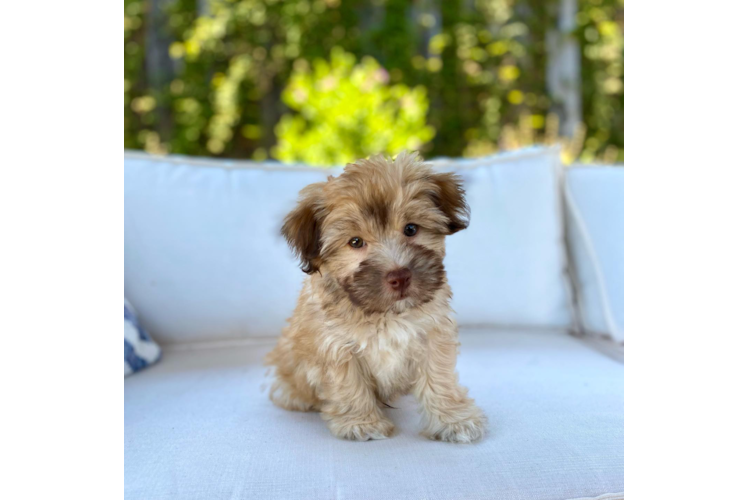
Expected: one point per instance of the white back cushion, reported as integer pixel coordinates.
(507, 268)
(594, 202)
(204, 258)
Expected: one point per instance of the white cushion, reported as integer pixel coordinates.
(594, 201)
(197, 425)
(204, 258)
(508, 267)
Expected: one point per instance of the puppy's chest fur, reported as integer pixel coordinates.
(390, 348)
(390, 351)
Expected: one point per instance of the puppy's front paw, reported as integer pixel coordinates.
(357, 430)
(467, 429)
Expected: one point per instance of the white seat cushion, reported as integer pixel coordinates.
(198, 426)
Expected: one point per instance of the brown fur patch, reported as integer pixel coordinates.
(364, 287)
(378, 211)
(449, 197)
(428, 266)
(302, 228)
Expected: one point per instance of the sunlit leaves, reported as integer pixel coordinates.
(346, 110)
(226, 103)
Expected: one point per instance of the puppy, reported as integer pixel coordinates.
(373, 321)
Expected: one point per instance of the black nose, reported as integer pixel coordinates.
(399, 280)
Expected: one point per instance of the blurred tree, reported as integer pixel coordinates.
(136, 109)
(481, 64)
(347, 111)
(600, 33)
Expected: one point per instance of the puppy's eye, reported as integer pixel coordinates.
(410, 230)
(356, 242)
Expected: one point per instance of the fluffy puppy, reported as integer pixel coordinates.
(373, 321)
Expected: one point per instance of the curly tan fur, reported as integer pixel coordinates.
(355, 341)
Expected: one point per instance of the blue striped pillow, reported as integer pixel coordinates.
(140, 350)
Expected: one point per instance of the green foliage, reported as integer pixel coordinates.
(136, 117)
(234, 63)
(600, 32)
(471, 74)
(346, 111)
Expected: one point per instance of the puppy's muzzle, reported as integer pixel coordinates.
(399, 281)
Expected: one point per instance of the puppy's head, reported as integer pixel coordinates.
(377, 231)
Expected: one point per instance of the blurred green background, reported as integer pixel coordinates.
(329, 81)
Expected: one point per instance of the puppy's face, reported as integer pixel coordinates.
(377, 231)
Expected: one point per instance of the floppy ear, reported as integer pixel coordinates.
(449, 197)
(301, 228)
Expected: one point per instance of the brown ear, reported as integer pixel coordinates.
(301, 228)
(449, 197)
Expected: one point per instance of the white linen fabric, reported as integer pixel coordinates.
(594, 203)
(204, 258)
(197, 425)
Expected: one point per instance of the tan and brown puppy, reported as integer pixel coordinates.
(373, 321)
